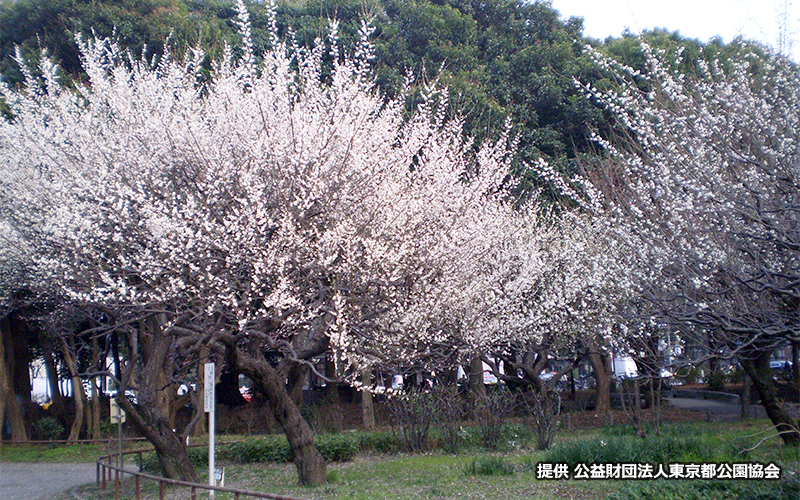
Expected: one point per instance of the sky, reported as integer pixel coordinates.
(700, 19)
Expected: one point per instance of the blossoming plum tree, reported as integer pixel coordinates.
(702, 192)
(257, 218)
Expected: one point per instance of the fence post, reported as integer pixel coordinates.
(161, 490)
(137, 488)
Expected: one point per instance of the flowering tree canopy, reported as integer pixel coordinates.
(701, 191)
(275, 210)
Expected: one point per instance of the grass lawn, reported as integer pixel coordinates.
(397, 476)
(476, 474)
(61, 453)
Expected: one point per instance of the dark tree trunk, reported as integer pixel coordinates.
(367, 409)
(746, 385)
(331, 387)
(78, 394)
(311, 467)
(58, 407)
(11, 400)
(655, 397)
(150, 414)
(115, 357)
(6, 394)
(757, 367)
(200, 424)
(601, 364)
(23, 336)
(477, 389)
(638, 422)
(295, 379)
(172, 453)
(95, 412)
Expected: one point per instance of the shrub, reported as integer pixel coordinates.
(450, 412)
(716, 381)
(669, 447)
(265, 449)
(47, 429)
(276, 449)
(688, 375)
(338, 447)
(379, 441)
(198, 456)
(542, 409)
(709, 490)
(413, 414)
(149, 461)
(324, 418)
(492, 413)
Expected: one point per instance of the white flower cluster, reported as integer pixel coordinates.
(266, 197)
(705, 202)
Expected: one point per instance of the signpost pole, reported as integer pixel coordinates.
(119, 435)
(118, 414)
(208, 397)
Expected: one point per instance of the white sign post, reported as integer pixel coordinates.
(208, 399)
(118, 415)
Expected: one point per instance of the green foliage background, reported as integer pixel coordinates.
(500, 58)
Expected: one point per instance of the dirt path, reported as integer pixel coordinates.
(39, 481)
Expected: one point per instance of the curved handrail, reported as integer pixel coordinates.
(118, 472)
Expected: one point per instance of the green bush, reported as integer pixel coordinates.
(198, 456)
(333, 447)
(413, 414)
(379, 441)
(48, 429)
(509, 437)
(489, 465)
(669, 447)
(451, 409)
(716, 381)
(709, 490)
(338, 447)
(149, 462)
(677, 430)
(492, 413)
(264, 449)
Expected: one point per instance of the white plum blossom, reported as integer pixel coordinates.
(276, 205)
(701, 193)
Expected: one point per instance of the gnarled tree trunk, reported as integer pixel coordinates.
(367, 408)
(57, 407)
(150, 413)
(756, 364)
(311, 467)
(477, 389)
(172, 453)
(78, 394)
(600, 359)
